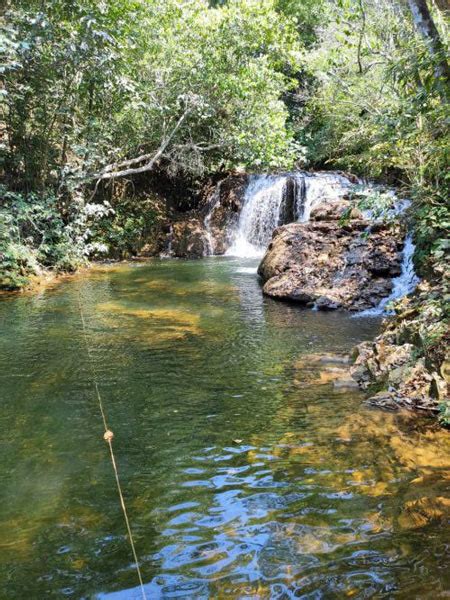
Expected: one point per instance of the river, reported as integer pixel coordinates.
(246, 473)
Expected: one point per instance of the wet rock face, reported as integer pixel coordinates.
(188, 239)
(332, 264)
(206, 229)
(221, 210)
(287, 211)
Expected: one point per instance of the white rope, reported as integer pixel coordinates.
(108, 437)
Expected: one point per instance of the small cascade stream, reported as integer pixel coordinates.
(402, 285)
(215, 201)
(168, 252)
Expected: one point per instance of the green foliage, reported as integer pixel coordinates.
(34, 235)
(378, 108)
(213, 85)
(86, 85)
(444, 414)
(122, 231)
(308, 15)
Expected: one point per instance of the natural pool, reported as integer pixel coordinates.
(246, 473)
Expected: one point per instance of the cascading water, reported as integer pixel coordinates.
(317, 187)
(259, 215)
(215, 201)
(407, 281)
(273, 200)
(268, 201)
(402, 285)
(168, 252)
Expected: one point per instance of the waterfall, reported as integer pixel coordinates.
(402, 285)
(168, 251)
(259, 215)
(318, 187)
(273, 200)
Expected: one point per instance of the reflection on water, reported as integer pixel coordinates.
(248, 472)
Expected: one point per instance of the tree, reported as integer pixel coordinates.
(427, 28)
(89, 92)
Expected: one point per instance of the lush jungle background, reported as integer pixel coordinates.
(102, 95)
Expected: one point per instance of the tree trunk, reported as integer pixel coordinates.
(426, 27)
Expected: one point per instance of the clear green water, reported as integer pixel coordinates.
(246, 473)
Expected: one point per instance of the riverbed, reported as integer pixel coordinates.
(247, 473)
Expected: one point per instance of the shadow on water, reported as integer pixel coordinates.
(247, 473)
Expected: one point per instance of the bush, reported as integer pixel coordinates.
(33, 236)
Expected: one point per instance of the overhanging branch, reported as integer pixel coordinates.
(125, 167)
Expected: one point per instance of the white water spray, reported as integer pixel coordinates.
(259, 215)
(168, 252)
(266, 197)
(402, 285)
(269, 198)
(317, 188)
(209, 238)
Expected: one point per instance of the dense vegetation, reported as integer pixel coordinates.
(93, 89)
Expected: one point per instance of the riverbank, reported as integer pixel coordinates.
(407, 365)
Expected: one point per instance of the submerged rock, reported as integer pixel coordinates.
(332, 264)
(324, 369)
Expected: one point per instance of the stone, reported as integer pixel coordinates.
(324, 369)
(332, 265)
(335, 210)
(188, 239)
(384, 400)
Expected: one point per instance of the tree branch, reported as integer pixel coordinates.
(361, 37)
(118, 170)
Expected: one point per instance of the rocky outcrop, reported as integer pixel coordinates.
(336, 261)
(221, 210)
(206, 229)
(407, 365)
(188, 239)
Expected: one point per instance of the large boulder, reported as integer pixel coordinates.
(332, 263)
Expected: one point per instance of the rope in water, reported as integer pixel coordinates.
(108, 437)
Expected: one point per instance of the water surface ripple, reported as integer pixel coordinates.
(246, 473)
